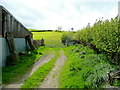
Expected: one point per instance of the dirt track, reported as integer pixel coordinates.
(36, 65)
(51, 81)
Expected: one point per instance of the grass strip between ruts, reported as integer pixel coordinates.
(39, 75)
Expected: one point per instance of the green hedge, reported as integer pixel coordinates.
(105, 36)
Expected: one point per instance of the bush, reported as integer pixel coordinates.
(68, 38)
(103, 35)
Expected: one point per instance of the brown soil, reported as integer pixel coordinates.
(51, 81)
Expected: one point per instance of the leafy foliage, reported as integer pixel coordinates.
(84, 68)
(67, 37)
(104, 35)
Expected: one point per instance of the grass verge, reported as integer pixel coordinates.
(16, 72)
(39, 75)
(84, 68)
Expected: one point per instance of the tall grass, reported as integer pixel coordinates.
(84, 68)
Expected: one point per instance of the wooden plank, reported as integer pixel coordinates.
(4, 23)
(10, 39)
(117, 77)
(15, 28)
(11, 45)
(28, 38)
(12, 24)
(113, 75)
(19, 30)
(1, 21)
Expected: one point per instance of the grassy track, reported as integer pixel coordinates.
(83, 68)
(52, 39)
(15, 72)
(39, 75)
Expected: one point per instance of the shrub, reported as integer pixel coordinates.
(103, 35)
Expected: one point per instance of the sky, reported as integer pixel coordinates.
(50, 14)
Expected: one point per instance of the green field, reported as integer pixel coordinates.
(52, 39)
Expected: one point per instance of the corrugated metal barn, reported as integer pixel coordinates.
(14, 37)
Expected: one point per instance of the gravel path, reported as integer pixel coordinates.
(51, 81)
(44, 59)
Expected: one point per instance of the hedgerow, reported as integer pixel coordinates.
(105, 36)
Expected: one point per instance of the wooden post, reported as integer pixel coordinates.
(11, 45)
(42, 42)
(30, 42)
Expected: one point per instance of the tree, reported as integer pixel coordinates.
(59, 28)
(72, 29)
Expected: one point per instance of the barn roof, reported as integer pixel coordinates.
(8, 23)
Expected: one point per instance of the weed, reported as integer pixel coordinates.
(88, 72)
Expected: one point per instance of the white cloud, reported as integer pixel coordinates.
(49, 14)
